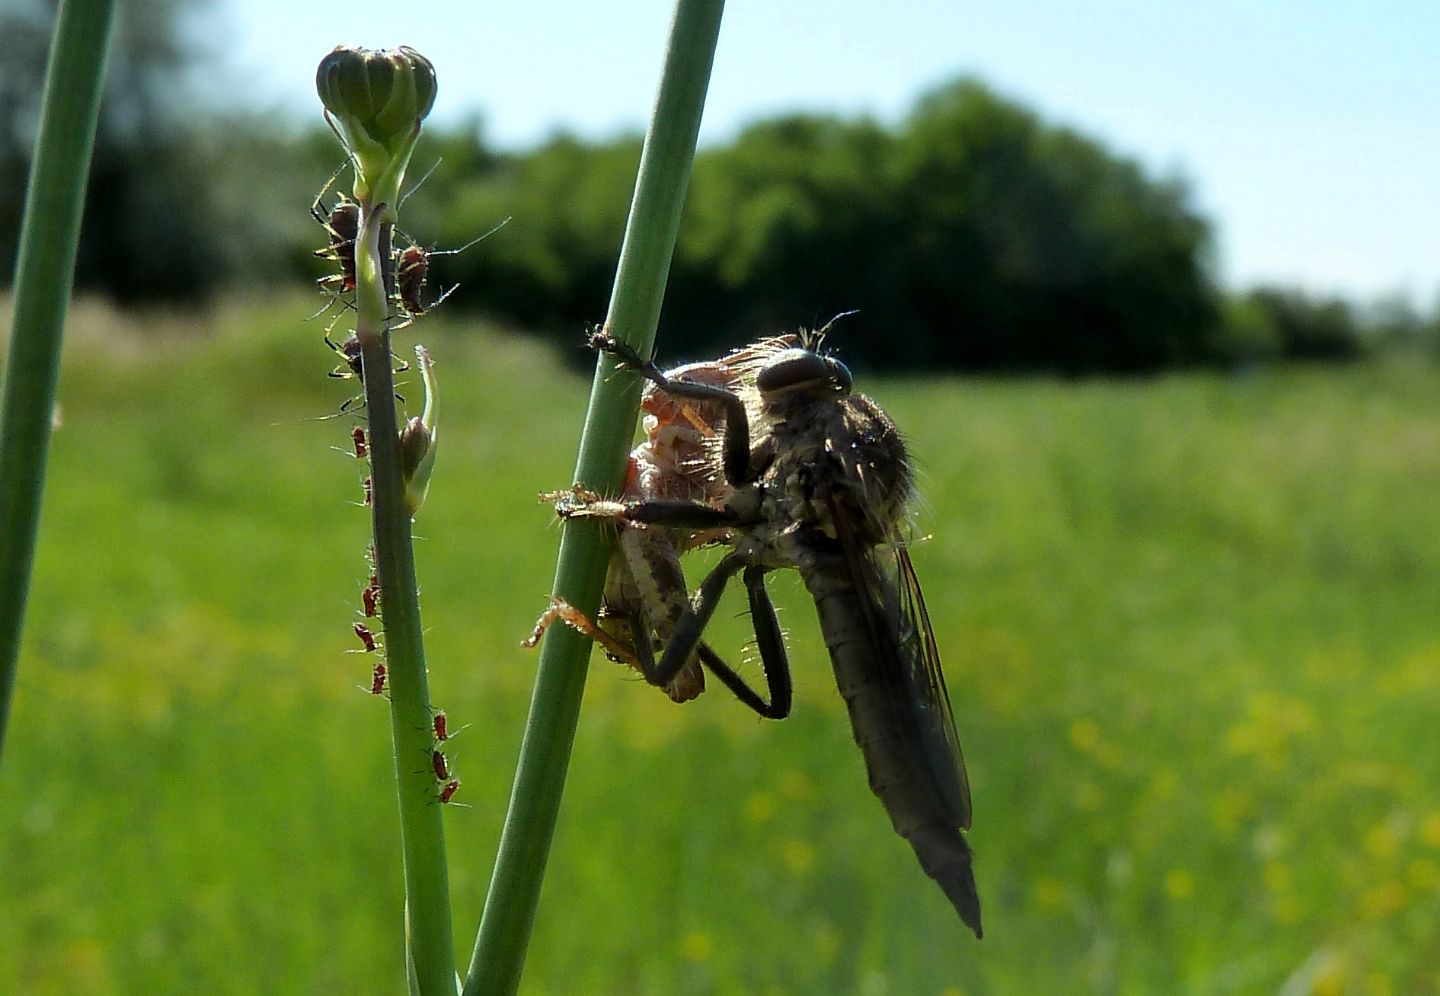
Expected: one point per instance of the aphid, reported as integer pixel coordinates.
(442, 769)
(370, 597)
(377, 678)
(442, 726)
(412, 267)
(352, 364)
(342, 225)
(349, 350)
(369, 493)
(357, 439)
(448, 791)
(366, 637)
(819, 480)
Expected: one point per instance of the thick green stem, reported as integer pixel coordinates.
(44, 270)
(431, 948)
(660, 186)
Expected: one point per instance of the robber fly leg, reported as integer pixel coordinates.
(680, 513)
(691, 625)
(737, 463)
(772, 655)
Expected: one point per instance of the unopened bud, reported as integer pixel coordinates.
(417, 440)
(376, 99)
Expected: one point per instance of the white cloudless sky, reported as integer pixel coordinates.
(1308, 131)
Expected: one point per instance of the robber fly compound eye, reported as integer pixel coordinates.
(801, 369)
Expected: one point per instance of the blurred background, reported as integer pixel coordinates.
(1155, 295)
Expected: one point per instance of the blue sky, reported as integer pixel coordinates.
(1310, 132)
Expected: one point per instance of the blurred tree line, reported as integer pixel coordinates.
(971, 235)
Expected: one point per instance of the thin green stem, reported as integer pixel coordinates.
(660, 186)
(431, 948)
(44, 271)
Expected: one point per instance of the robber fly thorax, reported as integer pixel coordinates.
(816, 478)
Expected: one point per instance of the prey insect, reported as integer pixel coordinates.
(645, 591)
(818, 480)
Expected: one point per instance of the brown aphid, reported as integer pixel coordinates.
(349, 350)
(370, 597)
(377, 679)
(366, 637)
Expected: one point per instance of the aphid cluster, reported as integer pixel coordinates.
(439, 763)
(405, 270)
(446, 782)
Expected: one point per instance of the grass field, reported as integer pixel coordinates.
(1191, 628)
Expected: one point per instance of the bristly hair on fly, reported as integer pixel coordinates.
(814, 339)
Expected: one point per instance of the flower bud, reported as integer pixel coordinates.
(375, 100)
(417, 440)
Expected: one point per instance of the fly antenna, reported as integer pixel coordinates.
(813, 340)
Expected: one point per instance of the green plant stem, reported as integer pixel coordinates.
(44, 271)
(429, 941)
(660, 186)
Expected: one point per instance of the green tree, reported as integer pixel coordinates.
(1308, 327)
(1028, 246)
(147, 232)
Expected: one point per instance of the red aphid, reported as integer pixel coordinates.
(370, 598)
(442, 726)
(448, 792)
(366, 637)
(411, 267)
(342, 224)
(358, 438)
(442, 769)
(366, 485)
(377, 679)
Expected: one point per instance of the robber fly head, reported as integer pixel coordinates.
(802, 371)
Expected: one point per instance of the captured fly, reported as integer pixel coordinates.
(816, 478)
(645, 591)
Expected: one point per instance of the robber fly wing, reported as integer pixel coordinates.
(903, 648)
(929, 697)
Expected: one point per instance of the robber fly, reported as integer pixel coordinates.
(817, 479)
(645, 590)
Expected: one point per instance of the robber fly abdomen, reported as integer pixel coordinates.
(823, 490)
(926, 806)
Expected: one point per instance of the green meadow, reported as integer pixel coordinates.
(1191, 627)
